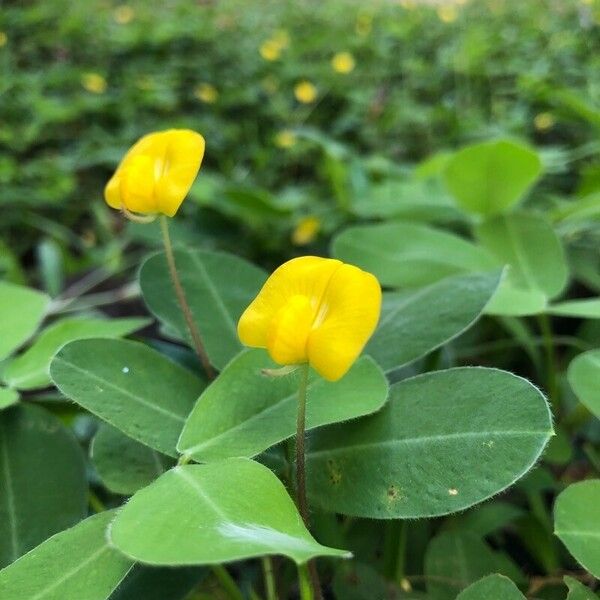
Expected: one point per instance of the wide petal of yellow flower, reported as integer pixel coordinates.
(315, 310)
(157, 173)
(305, 92)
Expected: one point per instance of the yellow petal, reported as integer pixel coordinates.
(304, 276)
(347, 317)
(166, 163)
(288, 331)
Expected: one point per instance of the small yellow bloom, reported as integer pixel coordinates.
(157, 172)
(207, 93)
(343, 62)
(270, 50)
(3, 39)
(123, 14)
(94, 83)
(543, 121)
(305, 92)
(285, 138)
(314, 310)
(306, 231)
(447, 13)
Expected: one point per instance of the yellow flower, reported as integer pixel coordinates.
(305, 92)
(306, 231)
(343, 62)
(285, 138)
(123, 14)
(447, 13)
(314, 310)
(3, 39)
(207, 93)
(543, 121)
(157, 172)
(270, 50)
(94, 83)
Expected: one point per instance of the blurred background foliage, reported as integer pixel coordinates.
(315, 114)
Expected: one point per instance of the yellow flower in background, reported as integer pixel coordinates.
(343, 62)
(157, 173)
(270, 50)
(447, 13)
(306, 231)
(207, 93)
(364, 24)
(94, 83)
(285, 138)
(3, 39)
(314, 310)
(305, 92)
(543, 121)
(123, 14)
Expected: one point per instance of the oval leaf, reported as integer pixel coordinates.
(42, 480)
(444, 441)
(533, 251)
(22, 311)
(578, 591)
(584, 378)
(214, 513)
(218, 288)
(409, 255)
(245, 412)
(489, 178)
(30, 369)
(124, 465)
(415, 323)
(577, 522)
(76, 563)
(492, 586)
(130, 386)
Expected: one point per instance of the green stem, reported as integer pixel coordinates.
(227, 583)
(185, 307)
(394, 552)
(96, 503)
(304, 579)
(270, 587)
(301, 472)
(552, 382)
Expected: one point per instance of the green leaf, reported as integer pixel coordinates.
(76, 563)
(444, 441)
(43, 488)
(130, 386)
(158, 583)
(214, 513)
(578, 591)
(22, 311)
(583, 376)
(124, 465)
(8, 397)
(492, 586)
(415, 323)
(533, 251)
(245, 412)
(489, 178)
(30, 369)
(577, 522)
(456, 559)
(218, 288)
(578, 309)
(409, 255)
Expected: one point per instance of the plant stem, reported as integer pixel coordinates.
(301, 472)
(552, 382)
(270, 587)
(227, 582)
(185, 307)
(304, 579)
